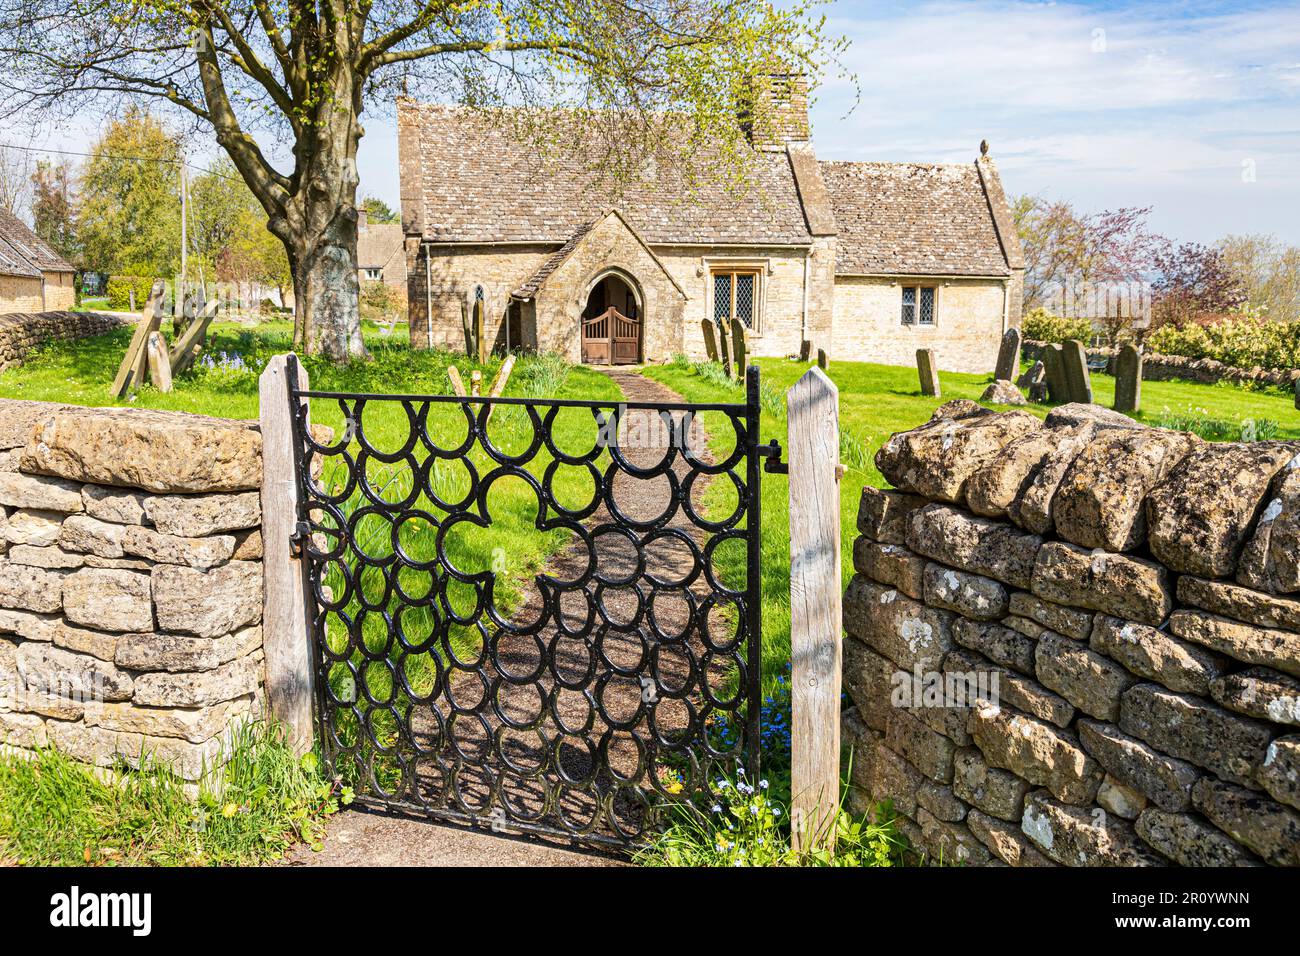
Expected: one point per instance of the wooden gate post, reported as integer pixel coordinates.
(814, 437)
(284, 609)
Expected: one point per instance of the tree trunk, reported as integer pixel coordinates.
(327, 314)
(319, 230)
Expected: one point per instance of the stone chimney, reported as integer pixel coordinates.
(363, 220)
(778, 110)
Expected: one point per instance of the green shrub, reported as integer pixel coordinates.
(1042, 326)
(119, 292)
(1243, 342)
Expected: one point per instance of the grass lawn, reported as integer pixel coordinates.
(878, 400)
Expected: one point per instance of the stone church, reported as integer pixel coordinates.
(867, 260)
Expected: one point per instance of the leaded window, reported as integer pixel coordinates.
(735, 296)
(918, 305)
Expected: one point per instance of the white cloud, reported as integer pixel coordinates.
(1119, 106)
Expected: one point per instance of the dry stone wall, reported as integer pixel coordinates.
(1077, 642)
(20, 332)
(1164, 368)
(130, 582)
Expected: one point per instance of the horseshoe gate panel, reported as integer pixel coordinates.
(580, 699)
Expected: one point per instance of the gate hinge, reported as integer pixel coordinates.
(772, 452)
(300, 532)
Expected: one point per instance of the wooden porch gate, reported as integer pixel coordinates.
(611, 338)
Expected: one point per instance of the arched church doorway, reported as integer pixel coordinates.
(611, 323)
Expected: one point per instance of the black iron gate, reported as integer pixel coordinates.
(580, 699)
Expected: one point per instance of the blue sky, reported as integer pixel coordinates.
(1193, 108)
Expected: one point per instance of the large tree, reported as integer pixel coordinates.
(1269, 273)
(1064, 247)
(130, 210)
(54, 208)
(305, 70)
(1193, 283)
(15, 168)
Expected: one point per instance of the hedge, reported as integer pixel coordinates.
(119, 292)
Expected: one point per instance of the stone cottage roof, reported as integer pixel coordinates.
(920, 219)
(377, 243)
(28, 247)
(13, 264)
(467, 180)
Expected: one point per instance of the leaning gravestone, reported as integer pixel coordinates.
(1033, 375)
(823, 360)
(1128, 379)
(724, 347)
(1008, 355)
(1054, 366)
(928, 369)
(739, 349)
(710, 338)
(1077, 379)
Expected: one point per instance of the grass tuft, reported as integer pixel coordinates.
(55, 811)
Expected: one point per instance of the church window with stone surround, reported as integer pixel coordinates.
(918, 305)
(735, 296)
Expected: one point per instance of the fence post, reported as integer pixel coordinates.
(814, 437)
(284, 610)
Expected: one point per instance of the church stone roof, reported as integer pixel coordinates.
(465, 179)
(915, 219)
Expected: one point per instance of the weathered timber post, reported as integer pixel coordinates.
(160, 367)
(136, 361)
(284, 601)
(815, 617)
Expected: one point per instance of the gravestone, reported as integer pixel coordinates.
(1054, 367)
(739, 348)
(1008, 356)
(1077, 378)
(480, 333)
(1032, 376)
(724, 347)
(928, 369)
(1128, 379)
(710, 338)
(1297, 391)
(823, 360)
